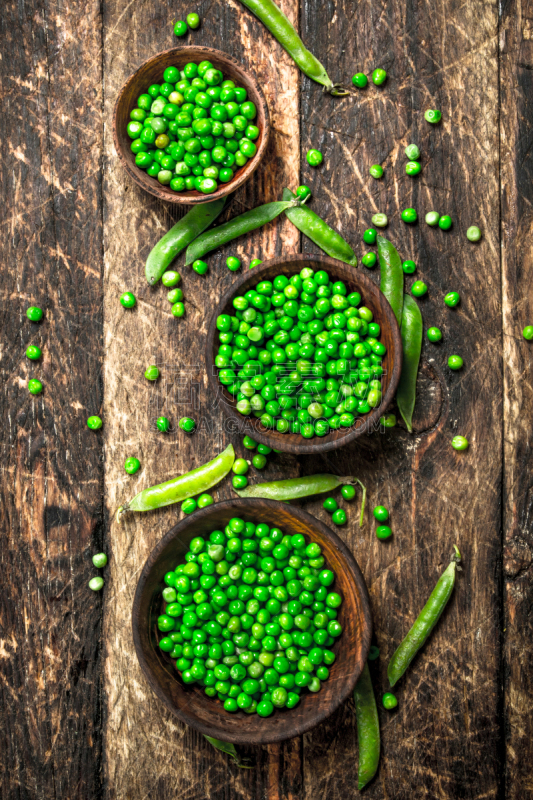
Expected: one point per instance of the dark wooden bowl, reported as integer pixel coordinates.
(375, 300)
(151, 71)
(207, 714)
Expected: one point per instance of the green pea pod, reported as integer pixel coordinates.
(411, 331)
(425, 622)
(177, 489)
(249, 221)
(279, 26)
(230, 749)
(308, 222)
(368, 736)
(182, 234)
(391, 276)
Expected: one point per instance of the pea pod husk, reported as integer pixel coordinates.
(230, 749)
(391, 276)
(411, 333)
(425, 622)
(179, 236)
(281, 29)
(245, 223)
(368, 736)
(308, 222)
(183, 486)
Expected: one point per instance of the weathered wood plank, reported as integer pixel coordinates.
(436, 56)
(148, 752)
(516, 64)
(51, 469)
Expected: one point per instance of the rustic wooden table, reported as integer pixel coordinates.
(78, 719)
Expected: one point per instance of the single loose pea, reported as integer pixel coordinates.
(152, 373)
(409, 215)
(239, 481)
(314, 158)
(445, 222)
(418, 289)
(249, 443)
(339, 517)
(99, 560)
(473, 234)
(94, 423)
(432, 218)
(193, 21)
(460, 443)
(388, 420)
(205, 500)
(373, 653)
(174, 296)
(369, 260)
(96, 584)
(303, 193)
(189, 506)
(240, 466)
(178, 309)
(259, 461)
(380, 220)
(456, 362)
(33, 352)
(162, 424)
(233, 263)
(433, 116)
(187, 424)
(255, 262)
(412, 152)
(412, 168)
(170, 278)
(376, 170)
(452, 299)
(527, 333)
(180, 28)
(348, 492)
(34, 314)
(330, 504)
(389, 701)
(128, 300)
(434, 335)
(381, 513)
(383, 532)
(35, 386)
(132, 465)
(379, 76)
(360, 80)
(199, 266)
(409, 267)
(370, 236)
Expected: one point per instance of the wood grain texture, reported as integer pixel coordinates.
(51, 469)
(516, 47)
(137, 763)
(437, 55)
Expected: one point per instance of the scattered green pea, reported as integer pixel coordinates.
(369, 260)
(255, 262)
(339, 517)
(330, 504)
(199, 266)
(193, 21)
(412, 168)
(434, 334)
(99, 560)
(233, 263)
(265, 450)
(189, 506)
(249, 443)
(240, 466)
(381, 513)
(432, 218)
(94, 423)
(303, 193)
(388, 420)
(418, 289)
(259, 461)
(379, 76)
(380, 220)
(205, 500)
(348, 491)
(460, 443)
(132, 465)
(433, 116)
(383, 532)
(473, 234)
(34, 314)
(360, 80)
(178, 309)
(376, 171)
(409, 215)
(128, 300)
(314, 158)
(389, 700)
(527, 333)
(445, 222)
(409, 267)
(174, 296)
(412, 152)
(452, 299)
(370, 236)
(96, 584)
(373, 652)
(33, 352)
(180, 28)
(35, 386)
(163, 424)
(239, 481)
(187, 424)
(456, 362)
(152, 373)
(170, 278)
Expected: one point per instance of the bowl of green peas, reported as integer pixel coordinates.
(190, 125)
(251, 621)
(305, 352)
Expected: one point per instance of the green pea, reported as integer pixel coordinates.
(33, 352)
(205, 500)
(388, 421)
(460, 443)
(412, 168)
(94, 423)
(193, 21)
(339, 517)
(128, 300)
(162, 424)
(330, 504)
(380, 220)
(409, 215)
(314, 158)
(360, 80)
(409, 267)
(99, 560)
(370, 236)
(432, 218)
(180, 28)
(381, 513)
(189, 506)
(96, 584)
(303, 193)
(178, 309)
(132, 465)
(527, 333)
(451, 299)
(34, 314)
(473, 234)
(376, 171)
(170, 278)
(445, 222)
(456, 362)
(383, 532)
(369, 260)
(379, 76)
(419, 289)
(259, 461)
(389, 700)
(240, 466)
(433, 115)
(233, 263)
(434, 334)
(412, 152)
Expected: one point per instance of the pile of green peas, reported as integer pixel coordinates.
(251, 617)
(194, 130)
(301, 354)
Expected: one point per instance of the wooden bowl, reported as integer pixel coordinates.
(151, 71)
(373, 298)
(206, 714)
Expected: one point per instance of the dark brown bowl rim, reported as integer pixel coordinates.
(359, 660)
(251, 425)
(193, 197)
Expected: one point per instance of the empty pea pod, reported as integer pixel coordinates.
(183, 486)
(227, 747)
(425, 622)
(368, 736)
(391, 276)
(308, 222)
(238, 226)
(279, 26)
(411, 332)
(179, 236)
